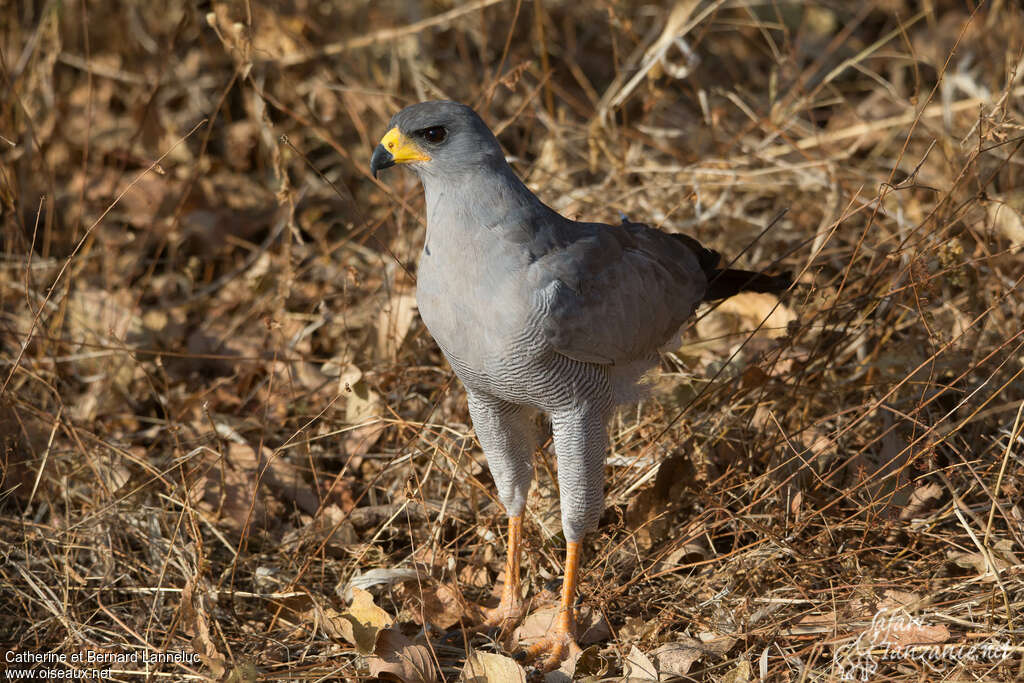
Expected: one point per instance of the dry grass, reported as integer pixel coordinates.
(217, 407)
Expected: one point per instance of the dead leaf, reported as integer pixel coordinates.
(716, 644)
(731, 321)
(794, 504)
(334, 623)
(362, 410)
(387, 576)
(393, 323)
(900, 600)
(639, 629)
(977, 562)
(348, 374)
(902, 631)
(590, 664)
(920, 500)
(474, 576)
(439, 604)
(103, 319)
(816, 623)
(1007, 218)
(693, 549)
(399, 659)
(485, 667)
(366, 620)
(362, 403)
(638, 666)
(677, 657)
(244, 672)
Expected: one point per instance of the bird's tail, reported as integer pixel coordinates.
(726, 282)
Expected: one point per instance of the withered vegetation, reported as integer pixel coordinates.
(225, 431)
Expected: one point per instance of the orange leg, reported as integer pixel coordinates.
(510, 609)
(557, 642)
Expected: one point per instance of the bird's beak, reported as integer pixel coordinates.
(395, 148)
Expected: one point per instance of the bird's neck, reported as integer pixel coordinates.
(482, 205)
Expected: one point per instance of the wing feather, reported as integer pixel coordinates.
(615, 294)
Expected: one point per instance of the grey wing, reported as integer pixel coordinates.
(615, 294)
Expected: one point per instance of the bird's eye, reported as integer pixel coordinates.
(435, 134)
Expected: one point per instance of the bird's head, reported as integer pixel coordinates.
(439, 138)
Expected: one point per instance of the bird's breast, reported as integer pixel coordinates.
(481, 313)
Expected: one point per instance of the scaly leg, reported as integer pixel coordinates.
(506, 433)
(580, 443)
(510, 609)
(561, 636)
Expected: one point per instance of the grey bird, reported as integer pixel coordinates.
(537, 312)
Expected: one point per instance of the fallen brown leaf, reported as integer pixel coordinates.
(366, 620)
(439, 604)
(920, 500)
(639, 667)
(393, 323)
(677, 657)
(397, 658)
(485, 667)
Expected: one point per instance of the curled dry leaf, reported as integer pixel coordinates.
(334, 623)
(330, 528)
(485, 667)
(1007, 217)
(366, 620)
(387, 576)
(362, 410)
(902, 630)
(393, 323)
(348, 374)
(397, 658)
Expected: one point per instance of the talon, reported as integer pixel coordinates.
(505, 615)
(556, 645)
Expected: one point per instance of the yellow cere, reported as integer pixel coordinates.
(402, 148)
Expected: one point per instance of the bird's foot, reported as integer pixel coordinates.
(507, 614)
(558, 644)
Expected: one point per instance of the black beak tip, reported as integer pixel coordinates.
(380, 160)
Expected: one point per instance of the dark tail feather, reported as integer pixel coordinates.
(723, 283)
